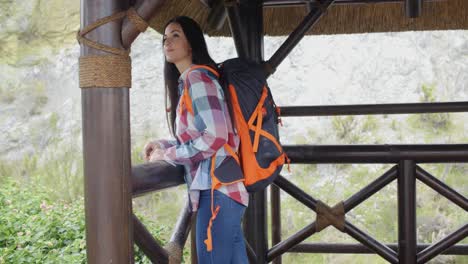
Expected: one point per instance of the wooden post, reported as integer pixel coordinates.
(255, 218)
(407, 235)
(106, 150)
(413, 8)
(275, 218)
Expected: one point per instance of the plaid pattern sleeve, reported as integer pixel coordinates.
(210, 121)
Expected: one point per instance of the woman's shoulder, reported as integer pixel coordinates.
(202, 73)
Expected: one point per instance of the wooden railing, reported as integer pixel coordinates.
(160, 175)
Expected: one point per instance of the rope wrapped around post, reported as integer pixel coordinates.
(112, 70)
(175, 252)
(137, 20)
(327, 215)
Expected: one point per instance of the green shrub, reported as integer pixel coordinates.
(437, 123)
(35, 229)
(356, 129)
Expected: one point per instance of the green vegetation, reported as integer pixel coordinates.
(437, 123)
(36, 229)
(48, 189)
(356, 129)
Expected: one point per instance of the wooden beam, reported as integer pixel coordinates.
(237, 30)
(146, 9)
(255, 221)
(317, 3)
(155, 176)
(296, 36)
(217, 15)
(146, 242)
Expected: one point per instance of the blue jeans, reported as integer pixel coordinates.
(228, 238)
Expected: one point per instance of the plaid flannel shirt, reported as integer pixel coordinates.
(202, 135)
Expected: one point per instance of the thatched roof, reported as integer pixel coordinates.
(339, 19)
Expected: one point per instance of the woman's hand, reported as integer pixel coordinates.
(157, 154)
(149, 148)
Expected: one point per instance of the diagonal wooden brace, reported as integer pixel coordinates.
(330, 216)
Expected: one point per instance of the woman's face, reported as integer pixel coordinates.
(176, 46)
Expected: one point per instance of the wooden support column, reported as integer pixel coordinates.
(407, 237)
(275, 218)
(237, 28)
(255, 218)
(106, 150)
(251, 13)
(413, 8)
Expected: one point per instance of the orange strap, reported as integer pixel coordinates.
(232, 153)
(258, 129)
(214, 184)
(263, 173)
(269, 136)
(258, 109)
(206, 68)
(278, 112)
(259, 116)
(209, 240)
(186, 102)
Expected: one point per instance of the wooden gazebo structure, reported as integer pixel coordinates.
(108, 29)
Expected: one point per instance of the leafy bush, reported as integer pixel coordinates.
(35, 229)
(439, 122)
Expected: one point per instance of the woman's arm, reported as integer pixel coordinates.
(207, 102)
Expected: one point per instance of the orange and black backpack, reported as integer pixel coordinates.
(255, 117)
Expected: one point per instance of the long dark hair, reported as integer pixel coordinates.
(200, 55)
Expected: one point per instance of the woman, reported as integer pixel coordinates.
(204, 133)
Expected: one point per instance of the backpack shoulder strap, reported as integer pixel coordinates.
(213, 71)
(186, 101)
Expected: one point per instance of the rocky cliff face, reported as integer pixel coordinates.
(40, 98)
(34, 86)
(32, 30)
